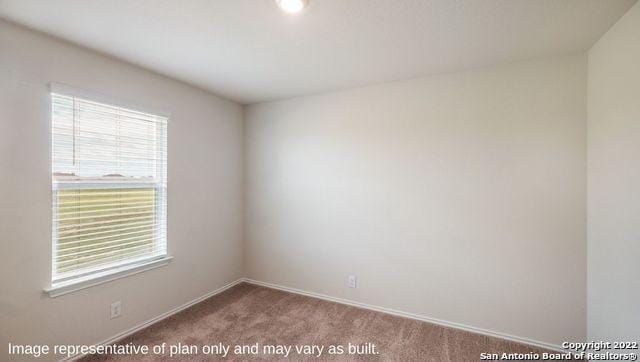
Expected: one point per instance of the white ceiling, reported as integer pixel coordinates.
(250, 51)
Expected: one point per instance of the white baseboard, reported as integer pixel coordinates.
(441, 322)
(464, 327)
(156, 319)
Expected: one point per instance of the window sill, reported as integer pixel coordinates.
(71, 286)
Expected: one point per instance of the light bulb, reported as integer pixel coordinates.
(292, 6)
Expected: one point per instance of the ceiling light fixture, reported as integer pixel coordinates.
(292, 6)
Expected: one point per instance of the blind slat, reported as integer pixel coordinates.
(93, 249)
(101, 261)
(103, 208)
(66, 227)
(91, 242)
(114, 217)
(61, 135)
(65, 108)
(90, 234)
(77, 207)
(74, 239)
(96, 256)
(88, 203)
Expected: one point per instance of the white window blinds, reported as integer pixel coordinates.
(109, 167)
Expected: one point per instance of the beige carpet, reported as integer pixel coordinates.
(247, 314)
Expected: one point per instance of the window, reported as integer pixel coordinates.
(109, 167)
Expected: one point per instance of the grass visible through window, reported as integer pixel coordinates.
(101, 226)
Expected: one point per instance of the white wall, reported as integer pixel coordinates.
(460, 197)
(204, 194)
(614, 183)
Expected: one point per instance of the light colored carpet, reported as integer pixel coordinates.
(248, 314)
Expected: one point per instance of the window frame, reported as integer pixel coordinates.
(115, 270)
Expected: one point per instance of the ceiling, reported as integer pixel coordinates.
(250, 51)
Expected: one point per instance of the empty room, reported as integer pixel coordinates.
(319, 180)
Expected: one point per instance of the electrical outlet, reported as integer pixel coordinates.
(351, 281)
(116, 309)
